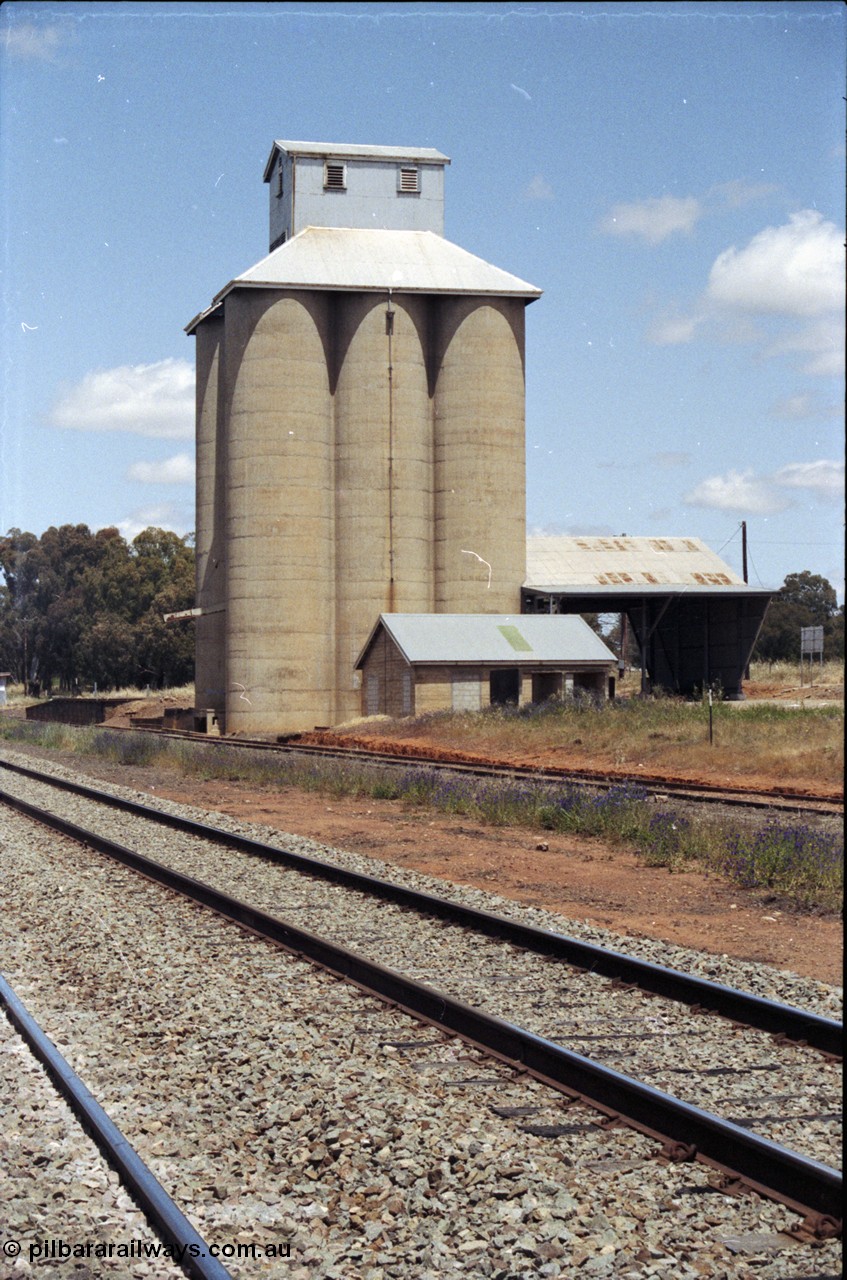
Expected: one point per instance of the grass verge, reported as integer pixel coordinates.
(803, 746)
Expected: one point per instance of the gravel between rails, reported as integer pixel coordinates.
(277, 1104)
(782, 1092)
(55, 1185)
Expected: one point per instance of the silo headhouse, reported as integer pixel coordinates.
(360, 435)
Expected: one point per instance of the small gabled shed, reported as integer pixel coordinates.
(418, 662)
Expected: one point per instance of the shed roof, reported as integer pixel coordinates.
(353, 151)
(350, 258)
(516, 639)
(627, 566)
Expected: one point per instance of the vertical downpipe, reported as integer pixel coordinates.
(389, 330)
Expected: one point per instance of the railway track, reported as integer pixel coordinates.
(660, 1035)
(181, 1241)
(743, 1009)
(740, 797)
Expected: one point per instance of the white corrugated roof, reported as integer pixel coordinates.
(460, 638)
(403, 261)
(353, 151)
(555, 562)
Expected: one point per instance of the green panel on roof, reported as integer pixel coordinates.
(516, 640)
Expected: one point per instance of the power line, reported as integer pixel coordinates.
(729, 539)
(755, 570)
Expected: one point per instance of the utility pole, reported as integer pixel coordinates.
(744, 574)
(744, 550)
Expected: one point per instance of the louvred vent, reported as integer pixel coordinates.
(408, 180)
(334, 177)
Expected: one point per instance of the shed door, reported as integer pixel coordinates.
(372, 695)
(505, 686)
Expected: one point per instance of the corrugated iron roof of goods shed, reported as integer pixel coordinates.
(627, 565)
(471, 638)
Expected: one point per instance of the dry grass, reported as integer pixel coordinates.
(797, 744)
(15, 696)
(790, 680)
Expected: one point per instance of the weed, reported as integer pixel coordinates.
(665, 843)
(802, 862)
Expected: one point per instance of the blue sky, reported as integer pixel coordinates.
(670, 174)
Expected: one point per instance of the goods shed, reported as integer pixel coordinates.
(414, 662)
(695, 621)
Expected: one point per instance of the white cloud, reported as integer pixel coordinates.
(782, 292)
(824, 478)
(538, 189)
(164, 516)
(794, 270)
(673, 329)
(653, 219)
(763, 495)
(741, 491)
(667, 459)
(803, 405)
(821, 341)
(32, 41)
(176, 470)
(736, 193)
(142, 399)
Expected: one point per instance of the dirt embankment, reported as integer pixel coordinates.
(566, 760)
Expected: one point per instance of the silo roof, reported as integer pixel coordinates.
(351, 258)
(514, 639)
(353, 151)
(626, 566)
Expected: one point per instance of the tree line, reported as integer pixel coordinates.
(80, 610)
(804, 600)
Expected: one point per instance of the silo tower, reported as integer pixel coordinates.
(360, 435)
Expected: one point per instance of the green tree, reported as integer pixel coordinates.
(21, 563)
(804, 600)
(86, 608)
(811, 592)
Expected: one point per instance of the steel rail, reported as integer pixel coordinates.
(687, 1132)
(822, 1034)
(705, 793)
(189, 1250)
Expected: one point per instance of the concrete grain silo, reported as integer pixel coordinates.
(360, 435)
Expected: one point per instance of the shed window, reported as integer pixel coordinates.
(335, 176)
(407, 181)
(279, 179)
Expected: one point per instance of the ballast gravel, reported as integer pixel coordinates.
(778, 1091)
(63, 1207)
(284, 1110)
